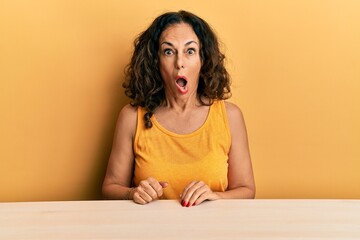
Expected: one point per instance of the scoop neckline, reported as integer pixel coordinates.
(168, 132)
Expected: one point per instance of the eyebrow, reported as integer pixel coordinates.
(186, 44)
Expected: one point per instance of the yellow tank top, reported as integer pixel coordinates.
(181, 158)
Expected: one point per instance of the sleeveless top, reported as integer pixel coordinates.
(181, 158)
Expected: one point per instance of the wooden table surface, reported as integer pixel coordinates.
(167, 219)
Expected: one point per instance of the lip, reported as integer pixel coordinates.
(178, 77)
(185, 89)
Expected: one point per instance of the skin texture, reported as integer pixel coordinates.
(179, 56)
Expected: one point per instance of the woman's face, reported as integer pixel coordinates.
(180, 62)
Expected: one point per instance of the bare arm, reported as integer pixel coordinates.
(119, 172)
(240, 173)
(117, 182)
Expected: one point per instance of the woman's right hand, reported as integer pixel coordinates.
(148, 190)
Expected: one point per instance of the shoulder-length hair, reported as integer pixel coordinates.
(143, 83)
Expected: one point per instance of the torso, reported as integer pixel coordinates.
(180, 153)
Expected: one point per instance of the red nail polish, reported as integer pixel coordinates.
(188, 205)
(183, 203)
(193, 204)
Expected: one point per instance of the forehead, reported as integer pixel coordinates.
(181, 32)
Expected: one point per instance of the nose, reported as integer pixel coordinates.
(179, 61)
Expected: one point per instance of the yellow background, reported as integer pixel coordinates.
(295, 69)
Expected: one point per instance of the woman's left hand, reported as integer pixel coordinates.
(195, 193)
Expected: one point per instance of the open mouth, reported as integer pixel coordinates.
(181, 83)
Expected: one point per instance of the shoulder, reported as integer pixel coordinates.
(128, 111)
(233, 111)
(127, 119)
(235, 117)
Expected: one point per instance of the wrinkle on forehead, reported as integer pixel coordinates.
(181, 34)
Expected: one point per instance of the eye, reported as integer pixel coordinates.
(191, 51)
(168, 51)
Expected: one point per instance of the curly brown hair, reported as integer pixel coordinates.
(143, 83)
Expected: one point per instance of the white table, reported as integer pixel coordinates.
(167, 219)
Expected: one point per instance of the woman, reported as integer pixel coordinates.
(179, 139)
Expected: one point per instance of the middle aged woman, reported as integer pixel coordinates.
(179, 139)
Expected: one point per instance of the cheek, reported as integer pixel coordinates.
(196, 66)
(165, 66)
(165, 70)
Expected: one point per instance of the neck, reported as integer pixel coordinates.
(182, 104)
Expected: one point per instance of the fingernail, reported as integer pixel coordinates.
(194, 204)
(188, 205)
(183, 203)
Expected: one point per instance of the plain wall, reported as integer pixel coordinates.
(295, 69)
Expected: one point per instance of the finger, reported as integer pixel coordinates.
(164, 184)
(196, 192)
(199, 195)
(145, 196)
(186, 189)
(148, 188)
(158, 188)
(138, 199)
(189, 197)
(204, 196)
